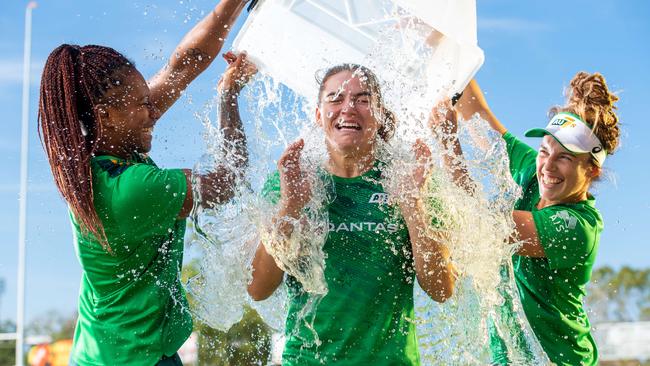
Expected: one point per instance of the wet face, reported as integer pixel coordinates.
(128, 116)
(347, 115)
(563, 177)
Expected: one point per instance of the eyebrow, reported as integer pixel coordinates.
(360, 94)
(568, 153)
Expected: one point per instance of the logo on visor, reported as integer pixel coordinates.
(563, 122)
(597, 149)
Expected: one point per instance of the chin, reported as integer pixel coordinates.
(143, 149)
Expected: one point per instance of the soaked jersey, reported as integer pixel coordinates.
(366, 318)
(552, 289)
(132, 307)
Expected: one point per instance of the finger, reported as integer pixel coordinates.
(292, 153)
(229, 57)
(237, 62)
(422, 151)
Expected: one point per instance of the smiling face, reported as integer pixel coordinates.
(346, 112)
(563, 177)
(128, 116)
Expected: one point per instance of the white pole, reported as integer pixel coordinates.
(22, 218)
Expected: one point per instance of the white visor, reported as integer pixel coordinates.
(573, 134)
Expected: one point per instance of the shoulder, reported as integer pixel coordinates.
(133, 183)
(113, 167)
(568, 233)
(581, 215)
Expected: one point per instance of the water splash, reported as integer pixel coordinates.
(477, 226)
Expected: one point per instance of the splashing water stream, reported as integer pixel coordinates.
(477, 226)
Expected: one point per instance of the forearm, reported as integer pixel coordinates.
(455, 165)
(473, 101)
(267, 275)
(194, 53)
(206, 38)
(218, 187)
(235, 149)
(433, 267)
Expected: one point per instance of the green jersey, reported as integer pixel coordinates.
(552, 288)
(366, 318)
(132, 306)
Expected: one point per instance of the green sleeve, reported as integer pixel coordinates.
(146, 200)
(521, 156)
(567, 235)
(271, 188)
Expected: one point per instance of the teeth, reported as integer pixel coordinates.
(550, 180)
(348, 125)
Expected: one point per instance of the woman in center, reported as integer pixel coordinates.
(367, 316)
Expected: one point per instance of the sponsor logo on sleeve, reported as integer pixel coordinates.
(564, 221)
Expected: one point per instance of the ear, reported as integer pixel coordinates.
(594, 171)
(103, 116)
(319, 121)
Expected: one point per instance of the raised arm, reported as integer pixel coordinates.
(218, 186)
(443, 121)
(445, 126)
(194, 54)
(433, 267)
(473, 101)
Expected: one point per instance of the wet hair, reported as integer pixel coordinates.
(589, 97)
(75, 79)
(387, 120)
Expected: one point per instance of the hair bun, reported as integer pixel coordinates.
(589, 97)
(591, 89)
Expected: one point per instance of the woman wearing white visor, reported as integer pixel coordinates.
(556, 217)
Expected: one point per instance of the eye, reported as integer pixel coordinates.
(543, 152)
(566, 157)
(363, 100)
(335, 100)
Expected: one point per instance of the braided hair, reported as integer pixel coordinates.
(75, 79)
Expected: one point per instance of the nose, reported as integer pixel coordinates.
(549, 164)
(349, 105)
(154, 113)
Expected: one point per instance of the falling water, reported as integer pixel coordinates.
(477, 225)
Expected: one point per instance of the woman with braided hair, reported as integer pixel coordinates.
(556, 218)
(96, 116)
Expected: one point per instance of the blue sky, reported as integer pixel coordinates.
(532, 50)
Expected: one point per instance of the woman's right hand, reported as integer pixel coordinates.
(295, 188)
(443, 121)
(239, 72)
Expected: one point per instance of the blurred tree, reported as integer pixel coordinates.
(245, 343)
(53, 324)
(7, 348)
(622, 295)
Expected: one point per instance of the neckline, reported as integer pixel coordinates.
(368, 173)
